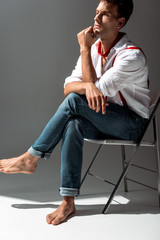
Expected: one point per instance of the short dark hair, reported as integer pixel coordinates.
(125, 7)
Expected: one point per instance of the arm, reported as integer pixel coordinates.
(130, 68)
(86, 38)
(94, 96)
(76, 87)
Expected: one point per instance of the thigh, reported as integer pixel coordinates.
(90, 131)
(118, 122)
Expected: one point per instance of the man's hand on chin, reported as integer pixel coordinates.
(87, 38)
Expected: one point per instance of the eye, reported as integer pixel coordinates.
(107, 14)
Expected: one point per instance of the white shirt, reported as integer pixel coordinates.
(128, 74)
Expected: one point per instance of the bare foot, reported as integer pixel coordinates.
(66, 208)
(25, 163)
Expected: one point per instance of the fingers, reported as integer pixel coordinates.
(104, 104)
(95, 98)
(84, 31)
(86, 37)
(89, 102)
(89, 30)
(96, 103)
(92, 31)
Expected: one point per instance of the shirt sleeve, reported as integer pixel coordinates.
(76, 75)
(129, 68)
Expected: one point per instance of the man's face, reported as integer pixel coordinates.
(106, 19)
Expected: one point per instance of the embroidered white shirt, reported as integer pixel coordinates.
(128, 74)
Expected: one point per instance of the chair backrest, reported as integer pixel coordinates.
(154, 103)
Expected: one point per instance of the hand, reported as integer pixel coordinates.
(95, 98)
(87, 38)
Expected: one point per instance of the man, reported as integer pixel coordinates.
(107, 95)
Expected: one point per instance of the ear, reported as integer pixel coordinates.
(121, 22)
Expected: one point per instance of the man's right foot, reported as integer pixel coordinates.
(66, 208)
(25, 163)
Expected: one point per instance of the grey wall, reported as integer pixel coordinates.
(38, 49)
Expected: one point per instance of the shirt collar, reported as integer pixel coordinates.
(120, 44)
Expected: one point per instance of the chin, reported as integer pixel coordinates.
(97, 33)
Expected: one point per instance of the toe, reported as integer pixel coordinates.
(49, 219)
(57, 221)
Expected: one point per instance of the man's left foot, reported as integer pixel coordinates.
(60, 215)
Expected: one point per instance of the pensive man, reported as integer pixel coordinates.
(107, 95)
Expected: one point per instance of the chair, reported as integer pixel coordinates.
(155, 101)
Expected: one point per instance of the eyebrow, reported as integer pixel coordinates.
(105, 11)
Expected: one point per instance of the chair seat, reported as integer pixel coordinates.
(121, 142)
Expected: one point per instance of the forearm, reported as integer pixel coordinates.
(94, 97)
(75, 87)
(88, 71)
(86, 39)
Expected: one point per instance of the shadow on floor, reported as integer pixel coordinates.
(138, 202)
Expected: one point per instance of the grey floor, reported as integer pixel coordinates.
(133, 215)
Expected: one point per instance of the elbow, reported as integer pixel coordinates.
(65, 92)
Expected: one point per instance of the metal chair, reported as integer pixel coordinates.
(155, 101)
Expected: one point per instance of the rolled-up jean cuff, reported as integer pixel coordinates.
(72, 192)
(36, 153)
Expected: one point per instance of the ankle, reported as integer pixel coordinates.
(30, 157)
(68, 200)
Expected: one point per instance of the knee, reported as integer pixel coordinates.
(69, 101)
(74, 126)
(72, 97)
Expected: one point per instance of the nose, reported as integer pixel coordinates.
(97, 18)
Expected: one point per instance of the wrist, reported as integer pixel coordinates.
(87, 85)
(85, 50)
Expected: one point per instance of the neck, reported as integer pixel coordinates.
(107, 43)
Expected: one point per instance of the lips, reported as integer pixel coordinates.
(96, 26)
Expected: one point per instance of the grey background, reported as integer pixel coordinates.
(38, 50)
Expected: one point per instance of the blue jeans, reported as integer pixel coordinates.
(74, 121)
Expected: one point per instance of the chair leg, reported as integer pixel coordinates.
(94, 158)
(121, 178)
(156, 138)
(124, 164)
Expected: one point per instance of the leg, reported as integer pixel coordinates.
(72, 153)
(72, 106)
(45, 144)
(119, 122)
(71, 162)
